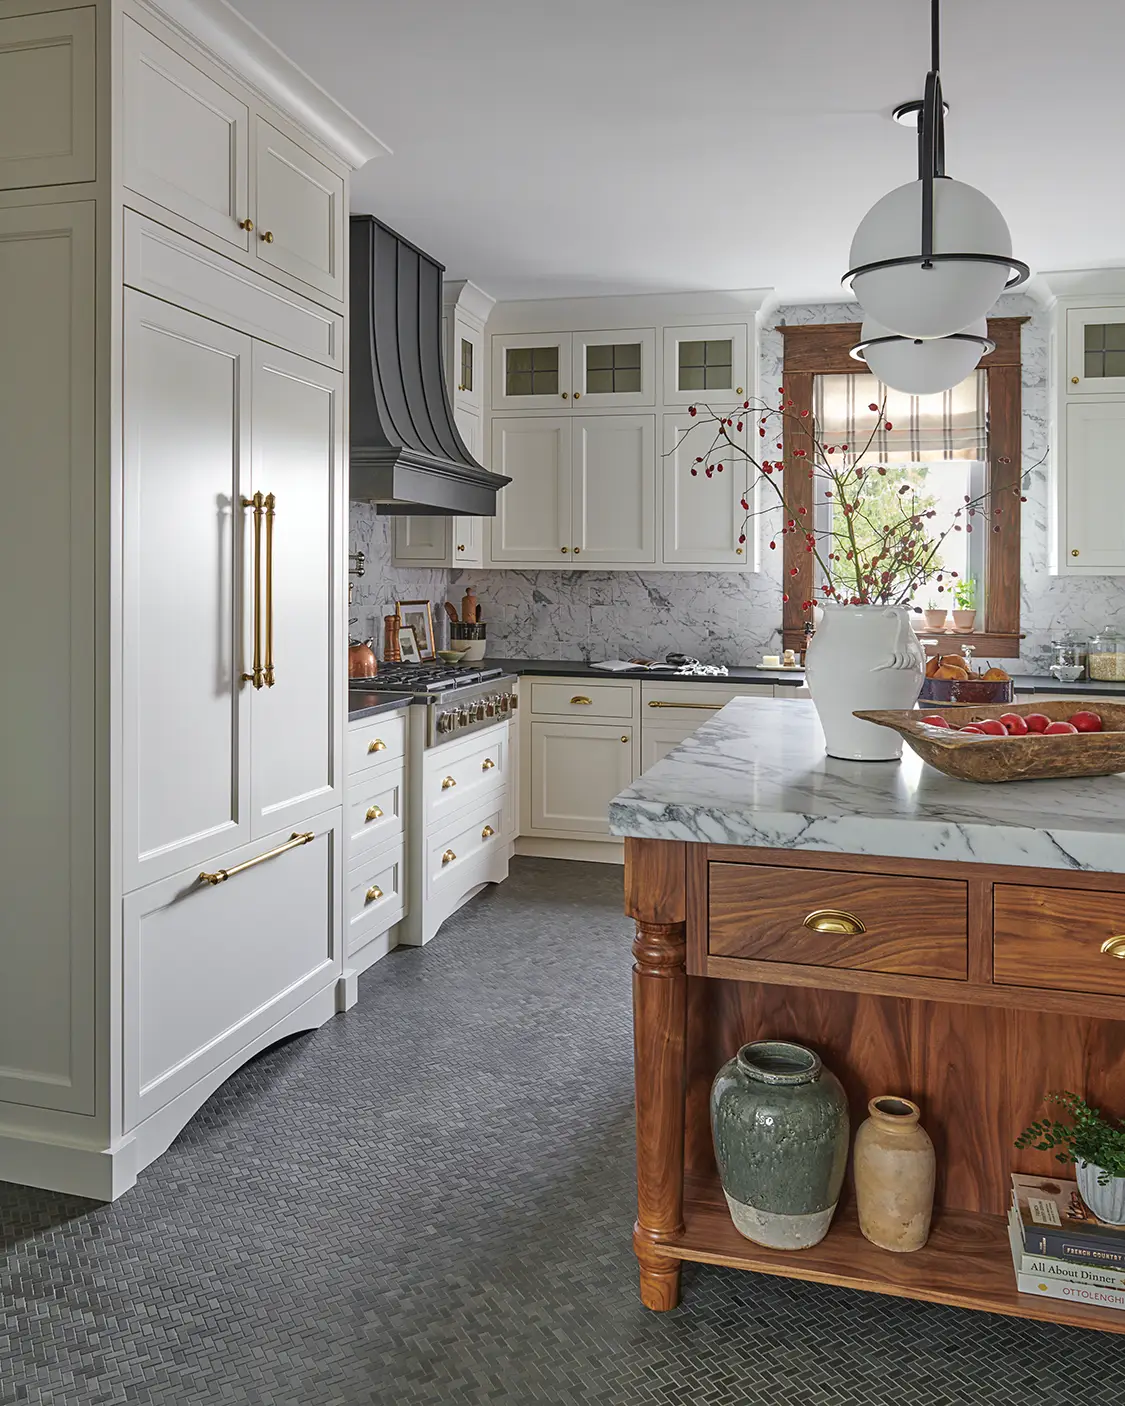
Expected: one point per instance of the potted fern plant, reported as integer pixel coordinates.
(934, 615)
(965, 610)
(1093, 1144)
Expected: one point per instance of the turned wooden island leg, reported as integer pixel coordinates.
(655, 897)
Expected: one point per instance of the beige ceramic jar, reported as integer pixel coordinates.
(894, 1175)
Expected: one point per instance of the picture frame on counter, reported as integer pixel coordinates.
(408, 645)
(418, 615)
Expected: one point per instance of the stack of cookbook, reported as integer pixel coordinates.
(1060, 1250)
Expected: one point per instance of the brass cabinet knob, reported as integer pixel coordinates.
(1074, 380)
(448, 783)
(624, 737)
(834, 920)
(246, 224)
(487, 833)
(582, 699)
(374, 813)
(461, 546)
(487, 764)
(448, 857)
(564, 395)
(1074, 551)
(1114, 947)
(738, 551)
(377, 746)
(738, 390)
(267, 238)
(372, 894)
(577, 550)
(564, 549)
(578, 395)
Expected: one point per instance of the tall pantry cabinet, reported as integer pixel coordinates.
(172, 433)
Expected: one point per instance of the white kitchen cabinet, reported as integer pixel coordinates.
(531, 371)
(533, 513)
(671, 712)
(613, 369)
(186, 139)
(48, 122)
(705, 364)
(705, 524)
(1093, 534)
(575, 770)
(613, 493)
(1095, 351)
(299, 211)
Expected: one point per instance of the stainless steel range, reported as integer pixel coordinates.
(458, 698)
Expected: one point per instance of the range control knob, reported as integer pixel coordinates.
(445, 722)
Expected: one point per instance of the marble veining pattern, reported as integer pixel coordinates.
(757, 774)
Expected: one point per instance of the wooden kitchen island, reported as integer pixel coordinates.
(963, 966)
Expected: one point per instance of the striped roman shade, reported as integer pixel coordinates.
(926, 428)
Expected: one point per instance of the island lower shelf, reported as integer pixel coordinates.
(966, 1262)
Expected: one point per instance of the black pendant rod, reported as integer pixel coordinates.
(935, 35)
(931, 138)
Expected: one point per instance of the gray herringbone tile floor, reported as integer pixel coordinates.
(430, 1201)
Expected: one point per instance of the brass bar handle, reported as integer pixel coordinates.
(269, 503)
(448, 857)
(707, 707)
(373, 893)
(255, 676)
(487, 833)
(581, 698)
(834, 920)
(448, 783)
(378, 745)
(373, 813)
(487, 764)
(1115, 947)
(221, 875)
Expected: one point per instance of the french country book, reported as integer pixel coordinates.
(1044, 1267)
(1057, 1224)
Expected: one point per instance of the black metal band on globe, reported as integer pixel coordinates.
(1020, 271)
(986, 344)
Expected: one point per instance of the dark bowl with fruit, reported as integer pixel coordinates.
(950, 679)
(1017, 742)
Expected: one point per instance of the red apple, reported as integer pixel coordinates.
(1037, 722)
(993, 727)
(1058, 729)
(1015, 723)
(935, 720)
(1086, 722)
(973, 727)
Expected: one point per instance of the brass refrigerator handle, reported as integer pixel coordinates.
(220, 875)
(270, 504)
(255, 676)
(707, 707)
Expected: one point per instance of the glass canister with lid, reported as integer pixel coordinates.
(1106, 657)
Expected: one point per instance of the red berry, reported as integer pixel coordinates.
(1037, 722)
(1058, 729)
(1086, 722)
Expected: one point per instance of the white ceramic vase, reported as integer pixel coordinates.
(863, 656)
(1107, 1202)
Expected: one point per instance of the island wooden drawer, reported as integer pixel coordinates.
(1061, 939)
(824, 918)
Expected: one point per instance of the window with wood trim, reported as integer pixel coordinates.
(822, 350)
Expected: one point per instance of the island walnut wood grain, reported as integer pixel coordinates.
(912, 926)
(1054, 937)
(975, 1053)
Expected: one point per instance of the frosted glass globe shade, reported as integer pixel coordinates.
(937, 301)
(922, 368)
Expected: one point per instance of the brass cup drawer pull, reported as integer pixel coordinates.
(487, 764)
(1115, 947)
(377, 746)
(221, 875)
(582, 700)
(373, 813)
(448, 783)
(448, 857)
(373, 894)
(487, 833)
(834, 920)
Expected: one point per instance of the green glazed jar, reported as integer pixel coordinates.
(780, 1124)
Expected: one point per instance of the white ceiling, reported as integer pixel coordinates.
(547, 148)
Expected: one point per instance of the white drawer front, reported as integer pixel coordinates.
(376, 895)
(583, 698)
(454, 781)
(455, 847)
(209, 967)
(667, 700)
(374, 741)
(376, 808)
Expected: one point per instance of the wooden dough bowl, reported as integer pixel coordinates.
(973, 757)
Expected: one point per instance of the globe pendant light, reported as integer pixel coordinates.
(935, 254)
(919, 367)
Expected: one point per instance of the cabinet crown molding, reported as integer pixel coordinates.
(463, 294)
(242, 47)
(629, 310)
(1072, 283)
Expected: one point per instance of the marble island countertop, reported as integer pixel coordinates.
(757, 774)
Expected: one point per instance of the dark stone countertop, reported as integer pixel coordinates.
(369, 705)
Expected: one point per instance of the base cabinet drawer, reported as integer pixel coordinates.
(456, 846)
(210, 966)
(579, 698)
(376, 895)
(1060, 939)
(375, 810)
(375, 741)
(457, 776)
(865, 922)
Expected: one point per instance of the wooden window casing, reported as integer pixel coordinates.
(820, 349)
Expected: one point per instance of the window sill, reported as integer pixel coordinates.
(987, 646)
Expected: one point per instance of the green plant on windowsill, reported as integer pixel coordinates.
(1087, 1138)
(965, 593)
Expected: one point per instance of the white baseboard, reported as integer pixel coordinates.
(597, 851)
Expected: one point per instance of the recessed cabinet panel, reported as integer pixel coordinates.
(300, 212)
(1095, 351)
(614, 496)
(47, 113)
(185, 138)
(421, 538)
(533, 512)
(1094, 530)
(704, 517)
(613, 369)
(531, 371)
(706, 364)
(185, 547)
(576, 770)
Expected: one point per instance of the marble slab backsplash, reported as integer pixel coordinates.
(723, 617)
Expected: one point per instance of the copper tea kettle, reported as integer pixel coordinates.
(362, 663)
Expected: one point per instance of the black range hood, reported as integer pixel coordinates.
(406, 454)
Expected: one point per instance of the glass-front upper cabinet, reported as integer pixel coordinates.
(705, 363)
(531, 371)
(614, 368)
(1095, 351)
